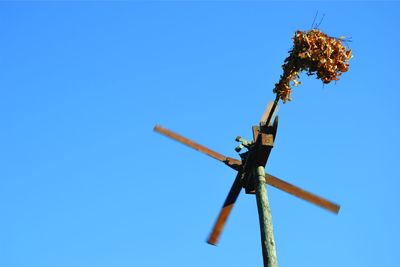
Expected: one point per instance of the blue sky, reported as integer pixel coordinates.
(84, 181)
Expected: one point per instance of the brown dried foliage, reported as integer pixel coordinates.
(317, 53)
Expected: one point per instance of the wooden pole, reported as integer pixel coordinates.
(264, 213)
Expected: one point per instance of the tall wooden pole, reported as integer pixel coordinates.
(264, 213)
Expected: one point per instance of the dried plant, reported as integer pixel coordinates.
(316, 53)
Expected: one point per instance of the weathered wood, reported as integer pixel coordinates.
(265, 218)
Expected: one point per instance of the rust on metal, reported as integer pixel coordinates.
(225, 211)
(190, 143)
(255, 158)
(256, 132)
(300, 193)
(271, 180)
(266, 113)
(252, 177)
(231, 162)
(267, 139)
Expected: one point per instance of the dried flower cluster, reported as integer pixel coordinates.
(317, 53)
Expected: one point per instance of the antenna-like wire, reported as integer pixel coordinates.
(316, 15)
(317, 26)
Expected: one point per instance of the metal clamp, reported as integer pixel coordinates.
(243, 143)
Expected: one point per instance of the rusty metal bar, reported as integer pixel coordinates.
(190, 143)
(225, 211)
(266, 113)
(269, 112)
(271, 180)
(300, 193)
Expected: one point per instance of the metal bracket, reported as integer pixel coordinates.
(243, 144)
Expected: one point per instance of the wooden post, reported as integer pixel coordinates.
(264, 213)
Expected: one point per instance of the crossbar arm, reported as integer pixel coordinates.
(300, 193)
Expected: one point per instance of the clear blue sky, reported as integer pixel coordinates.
(84, 181)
